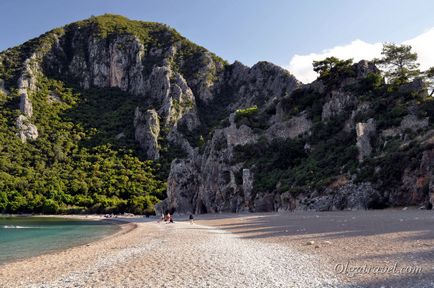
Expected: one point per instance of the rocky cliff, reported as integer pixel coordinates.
(245, 166)
(227, 137)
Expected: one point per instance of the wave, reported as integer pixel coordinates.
(19, 227)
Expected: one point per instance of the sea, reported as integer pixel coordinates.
(24, 237)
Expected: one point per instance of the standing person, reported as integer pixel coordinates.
(191, 219)
(166, 216)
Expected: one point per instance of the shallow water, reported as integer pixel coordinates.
(22, 237)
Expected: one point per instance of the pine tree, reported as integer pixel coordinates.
(399, 62)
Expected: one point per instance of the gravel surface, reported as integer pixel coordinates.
(171, 255)
(298, 249)
(358, 246)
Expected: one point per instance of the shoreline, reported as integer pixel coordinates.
(137, 257)
(234, 243)
(124, 227)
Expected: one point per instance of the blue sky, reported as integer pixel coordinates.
(249, 31)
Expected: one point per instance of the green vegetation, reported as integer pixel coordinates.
(86, 159)
(284, 165)
(246, 112)
(331, 70)
(388, 169)
(303, 99)
(331, 152)
(399, 62)
(151, 34)
(77, 164)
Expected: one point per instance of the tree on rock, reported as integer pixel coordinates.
(330, 65)
(332, 70)
(399, 62)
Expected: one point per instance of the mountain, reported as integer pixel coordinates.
(113, 115)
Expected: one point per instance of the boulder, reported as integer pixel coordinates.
(285, 202)
(350, 196)
(360, 196)
(264, 202)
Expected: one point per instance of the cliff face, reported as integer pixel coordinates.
(322, 146)
(237, 138)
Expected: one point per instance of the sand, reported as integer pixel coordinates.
(301, 249)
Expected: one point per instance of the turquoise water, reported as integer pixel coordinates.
(22, 237)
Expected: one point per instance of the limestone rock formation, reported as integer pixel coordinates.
(158, 83)
(411, 122)
(182, 186)
(297, 125)
(364, 68)
(261, 83)
(26, 130)
(147, 130)
(111, 62)
(26, 106)
(335, 106)
(27, 84)
(364, 132)
(190, 110)
(203, 81)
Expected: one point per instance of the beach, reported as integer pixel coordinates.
(300, 249)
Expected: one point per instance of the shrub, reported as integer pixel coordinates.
(247, 112)
(50, 206)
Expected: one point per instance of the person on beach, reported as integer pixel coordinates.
(191, 219)
(166, 216)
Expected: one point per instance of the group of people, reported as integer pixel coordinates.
(168, 218)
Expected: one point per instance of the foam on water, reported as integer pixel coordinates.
(21, 227)
(23, 237)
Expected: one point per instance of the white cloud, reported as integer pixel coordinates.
(301, 65)
(423, 45)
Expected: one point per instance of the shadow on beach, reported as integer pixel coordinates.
(374, 238)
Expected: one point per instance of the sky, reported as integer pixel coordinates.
(288, 33)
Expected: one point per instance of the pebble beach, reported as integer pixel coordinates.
(253, 250)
